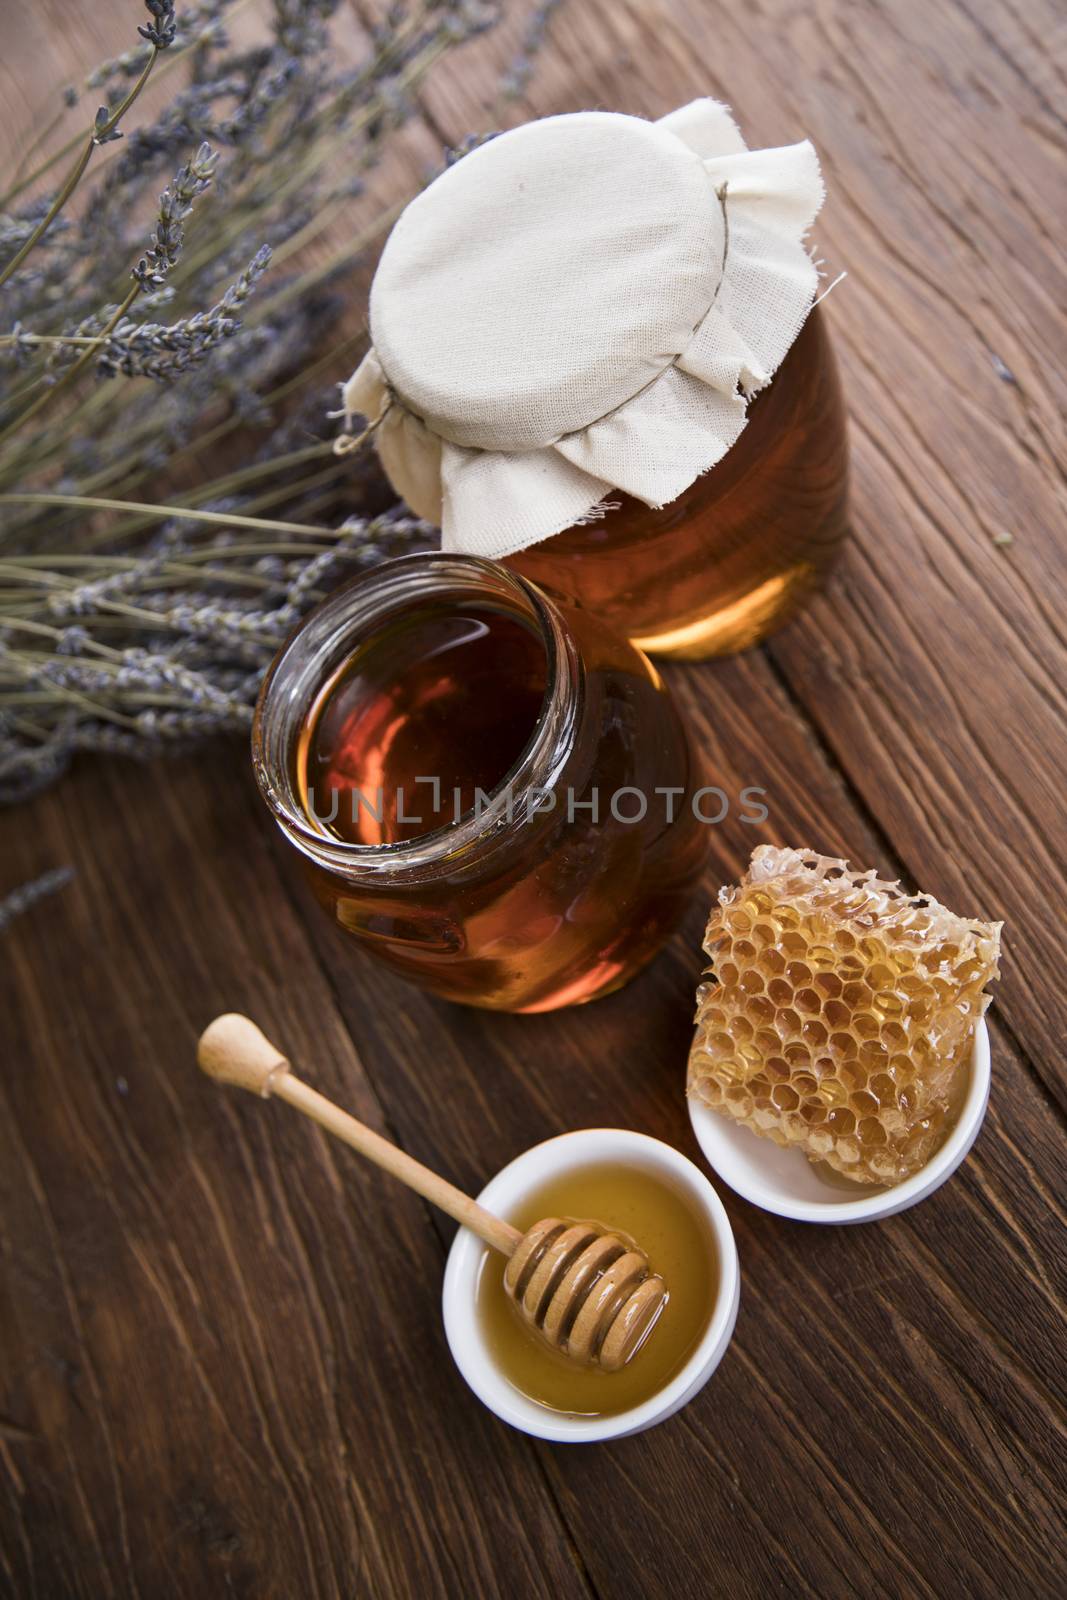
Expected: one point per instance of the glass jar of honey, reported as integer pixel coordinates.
(739, 550)
(598, 355)
(493, 792)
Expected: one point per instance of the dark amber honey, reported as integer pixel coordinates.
(641, 1206)
(448, 694)
(551, 844)
(732, 558)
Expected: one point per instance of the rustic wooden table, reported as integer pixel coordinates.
(198, 1395)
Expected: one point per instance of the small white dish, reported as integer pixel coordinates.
(466, 1338)
(784, 1181)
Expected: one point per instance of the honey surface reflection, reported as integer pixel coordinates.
(435, 711)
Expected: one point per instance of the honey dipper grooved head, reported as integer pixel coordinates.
(586, 1292)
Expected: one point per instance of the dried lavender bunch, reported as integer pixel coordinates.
(160, 32)
(175, 204)
(160, 35)
(134, 627)
(154, 350)
(135, 654)
(103, 334)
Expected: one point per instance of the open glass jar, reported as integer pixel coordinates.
(493, 794)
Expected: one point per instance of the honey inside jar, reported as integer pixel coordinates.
(412, 728)
(631, 1201)
(492, 794)
(737, 552)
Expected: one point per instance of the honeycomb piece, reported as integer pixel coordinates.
(840, 1013)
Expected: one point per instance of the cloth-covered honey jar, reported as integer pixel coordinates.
(597, 355)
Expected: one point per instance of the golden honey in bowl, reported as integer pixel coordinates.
(636, 1204)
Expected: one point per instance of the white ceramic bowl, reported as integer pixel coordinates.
(784, 1181)
(529, 1171)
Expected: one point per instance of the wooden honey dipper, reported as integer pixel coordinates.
(587, 1293)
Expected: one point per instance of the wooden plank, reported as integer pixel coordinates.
(935, 665)
(888, 1419)
(223, 1362)
(897, 1377)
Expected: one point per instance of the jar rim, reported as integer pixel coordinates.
(327, 636)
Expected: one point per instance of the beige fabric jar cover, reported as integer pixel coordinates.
(584, 304)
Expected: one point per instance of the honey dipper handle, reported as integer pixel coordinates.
(233, 1050)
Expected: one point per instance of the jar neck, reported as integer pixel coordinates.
(328, 637)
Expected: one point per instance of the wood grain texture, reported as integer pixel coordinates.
(195, 1396)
